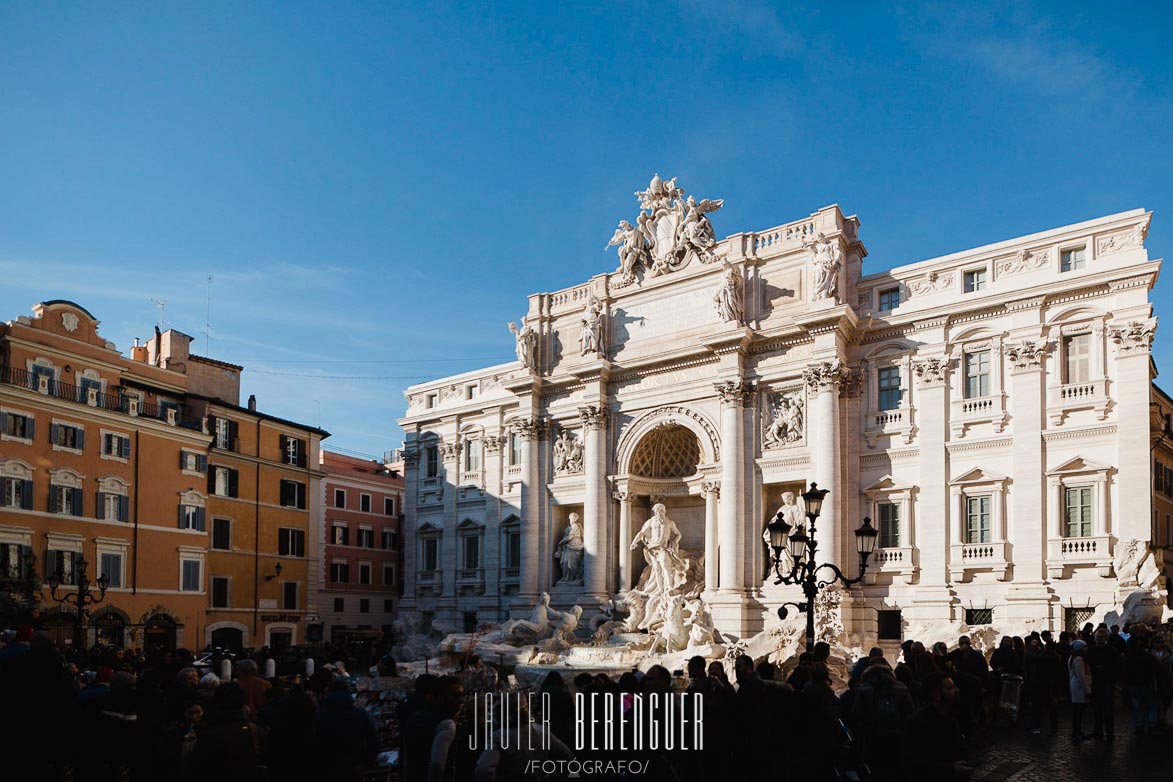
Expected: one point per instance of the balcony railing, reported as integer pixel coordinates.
(511, 575)
(1094, 550)
(1069, 397)
(969, 557)
(92, 397)
(967, 412)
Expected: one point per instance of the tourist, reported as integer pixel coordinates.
(932, 745)
(561, 706)
(1140, 673)
(254, 687)
(512, 753)
(428, 738)
(821, 730)
(971, 674)
(1039, 668)
(1079, 684)
(228, 746)
(345, 736)
(1164, 657)
(880, 707)
(1103, 661)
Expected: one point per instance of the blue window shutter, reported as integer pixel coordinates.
(26, 495)
(181, 519)
(182, 459)
(78, 499)
(51, 565)
(81, 439)
(52, 498)
(30, 427)
(203, 463)
(100, 507)
(200, 517)
(125, 447)
(4, 422)
(53, 433)
(125, 508)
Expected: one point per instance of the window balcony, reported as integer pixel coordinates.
(897, 422)
(511, 575)
(470, 579)
(1069, 397)
(1093, 551)
(965, 413)
(898, 561)
(470, 478)
(429, 581)
(967, 558)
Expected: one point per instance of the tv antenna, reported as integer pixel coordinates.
(162, 305)
(208, 320)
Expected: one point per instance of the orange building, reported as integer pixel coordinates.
(119, 462)
(362, 551)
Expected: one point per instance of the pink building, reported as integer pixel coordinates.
(361, 545)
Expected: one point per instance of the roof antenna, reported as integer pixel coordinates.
(162, 305)
(207, 321)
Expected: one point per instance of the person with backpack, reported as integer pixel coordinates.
(878, 712)
(1079, 680)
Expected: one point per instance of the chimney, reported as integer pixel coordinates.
(138, 352)
(252, 403)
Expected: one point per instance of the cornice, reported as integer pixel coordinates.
(980, 445)
(1073, 434)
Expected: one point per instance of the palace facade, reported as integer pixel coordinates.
(990, 410)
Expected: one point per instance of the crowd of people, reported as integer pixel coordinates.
(125, 716)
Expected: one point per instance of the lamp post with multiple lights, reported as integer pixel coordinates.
(81, 599)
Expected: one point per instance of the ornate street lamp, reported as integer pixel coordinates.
(803, 569)
(80, 600)
(20, 590)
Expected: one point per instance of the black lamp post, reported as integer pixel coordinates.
(82, 599)
(804, 570)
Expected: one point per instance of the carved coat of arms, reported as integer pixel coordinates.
(668, 230)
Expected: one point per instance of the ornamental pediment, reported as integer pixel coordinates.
(887, 485)
(978, 475)
(1079, 464)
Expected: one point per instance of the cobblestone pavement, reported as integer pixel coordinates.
(1015, 754)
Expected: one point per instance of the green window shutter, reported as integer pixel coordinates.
(53, 428)
(81, 439)
(26, 495)
(78, 501)
(125, 447)
(100, 507)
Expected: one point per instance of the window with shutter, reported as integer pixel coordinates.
(100, 506)
(124, 508)
(77, 500)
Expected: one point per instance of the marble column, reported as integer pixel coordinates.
(936, 518)
(1027, 407)
(824, 381)
(595, 505)
(529, 429)
(712, 492)
(731, 517)
(624, 540)
(1133, 342)
(449, 549)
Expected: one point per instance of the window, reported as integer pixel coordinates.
(366, 538)
(16, 426)
(110, 566)
(67, 436)
(219, 592)
(341, 535)
(190, 580)
(979, 616)
(471, 391)
(472, 551)
(889, 299)
(388, 575)
(289, 595)
(431, 553)
(222, 534)
(388, 540)
(223, 482)
(890, 394)
(1158, 477)
(431, 401)
(1078, 512)
(291, 542)
(1072, 259)
(226, 434)
(977, 521)
(1077, 358)
(339, 604)
(514, 449)
(889, 513)
(388, 506)
(388, 606)
(112, 507)
(12, 560)
(66, 500)
(62, 564)
(364, 572)
(115, 445)
(193, 462)
(292, 451)
(191, 517)
(364, 606)
(1075, 618)
(339, 498)
(339, 572)
(16, 493)
(513, 548)
(977, 374)
(889, 625)
(431, 461)
(975, 280)
(293, 494)
(472, 455)
(364, 503)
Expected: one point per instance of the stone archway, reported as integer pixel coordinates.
(634, 432)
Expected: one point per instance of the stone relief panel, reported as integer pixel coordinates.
(1022, 261)
(1126, 240)
(784, 418)
(567, 453)
(933, 282)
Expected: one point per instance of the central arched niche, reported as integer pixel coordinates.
(668, 451)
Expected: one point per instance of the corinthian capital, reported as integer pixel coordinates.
(450, 450)
(1136, 337)
(528, 428)
(931, 371)
(738, 393)
(592, 417)
(1028, 355)
(828, 376)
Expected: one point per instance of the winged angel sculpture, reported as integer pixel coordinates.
(668, 230)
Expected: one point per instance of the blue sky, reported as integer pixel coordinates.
(376, 187)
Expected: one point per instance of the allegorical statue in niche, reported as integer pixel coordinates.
(790, 513)
(527, 342)
(590, 338)
(728, 298)
(784, 425)
(661, 541)
(569, 550)
(826, 260)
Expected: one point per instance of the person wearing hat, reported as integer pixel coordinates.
(1080, 683)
